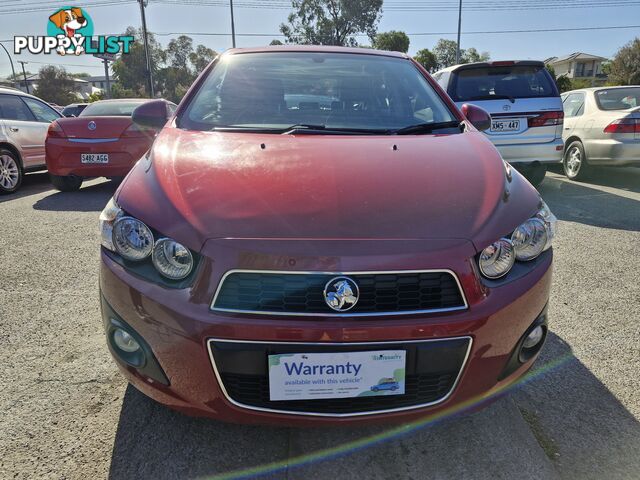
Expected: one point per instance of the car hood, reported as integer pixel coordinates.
(202, 185)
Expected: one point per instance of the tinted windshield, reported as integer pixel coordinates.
(105, 109)
(618, 98)
(502, 81)
(280, 89)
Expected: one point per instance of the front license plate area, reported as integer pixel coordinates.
(508, 125)
(94, 158)
(307, 376)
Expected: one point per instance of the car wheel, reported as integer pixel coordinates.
(394, 388)
(375, 389)
(10, 172)
(575, 162)
(69, 183)
(533, 173)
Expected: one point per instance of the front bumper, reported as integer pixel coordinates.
(549, 152)
(179, 327)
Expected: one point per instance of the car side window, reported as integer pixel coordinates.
(12, 108)
(42, 112)
(574, 105)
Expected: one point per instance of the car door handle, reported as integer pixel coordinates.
(14, 129)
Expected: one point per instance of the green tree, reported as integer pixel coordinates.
(427, 59)
(201, 57)
(471, 55)
(179, 52)
(445, 52)
(130, 70)
(118, 91)
(563, 83)
(393, 41)
(331, 22)
(624, 69)
(275, 41)
(55, 85)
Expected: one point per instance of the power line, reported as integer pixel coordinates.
(482, 32)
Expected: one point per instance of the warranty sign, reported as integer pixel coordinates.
(306, 376)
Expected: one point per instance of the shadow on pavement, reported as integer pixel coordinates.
(32, 183)
(562, 420)
(579, 423)
(91, 198)
(591, 205)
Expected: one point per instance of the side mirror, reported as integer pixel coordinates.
(478, 117)
(153, 114)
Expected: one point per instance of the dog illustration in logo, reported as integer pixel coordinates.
(69, 21)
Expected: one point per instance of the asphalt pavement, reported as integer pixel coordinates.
(68, 414)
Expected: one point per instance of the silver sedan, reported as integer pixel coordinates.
(601, 127)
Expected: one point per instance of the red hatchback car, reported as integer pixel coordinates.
(319, 235)
(101, 142)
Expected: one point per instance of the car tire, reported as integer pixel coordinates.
(533, 173)
(69, 183)
(575, 162)
(11, 173)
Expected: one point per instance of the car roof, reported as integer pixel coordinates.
(315, 49)
(492, 63)
(15, 91)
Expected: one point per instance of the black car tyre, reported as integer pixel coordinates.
(11, 173)
(69, 183)
(534, 173)
(575, 162)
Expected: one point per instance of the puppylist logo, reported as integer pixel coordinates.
(70, 32)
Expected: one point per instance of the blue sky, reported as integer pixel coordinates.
(165, 18)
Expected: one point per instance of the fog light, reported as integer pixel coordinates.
(534, 337)
(124, 341)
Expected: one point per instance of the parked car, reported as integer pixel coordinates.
(74, 109)
(386, 384)
(525, 107)
(101, 142)
(378, 224)
(24, 120)
(602, 127)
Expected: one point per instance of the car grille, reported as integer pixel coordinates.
(432, 370)
(302, 293)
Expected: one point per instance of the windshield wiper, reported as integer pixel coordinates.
(427, 127)
(311, 129)
(491, 97)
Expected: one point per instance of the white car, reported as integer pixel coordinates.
(24, 121)
(601, 127)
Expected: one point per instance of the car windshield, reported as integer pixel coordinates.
(117, 108)
(277, 91)
(499, 82)
(618, 98)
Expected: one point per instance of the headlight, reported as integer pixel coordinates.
(132, 238)
(497, 259)
(550, 223)
(108, 216)
(529, 239)
(172, 259)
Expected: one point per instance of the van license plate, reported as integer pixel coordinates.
(94, 158)
(505, 125)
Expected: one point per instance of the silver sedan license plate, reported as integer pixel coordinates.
(94, 158)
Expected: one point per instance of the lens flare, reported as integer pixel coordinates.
(393, 433)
